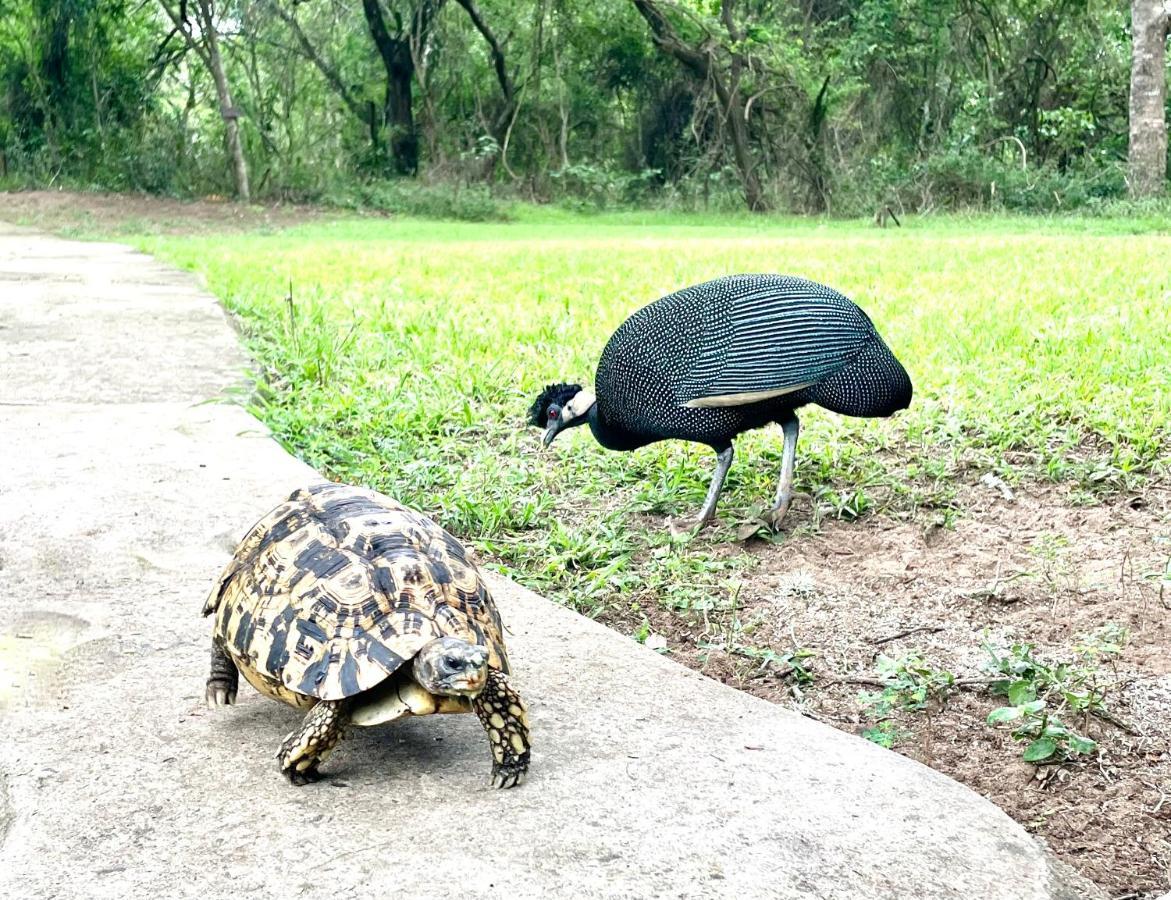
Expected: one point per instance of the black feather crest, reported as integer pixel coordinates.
(553, 393)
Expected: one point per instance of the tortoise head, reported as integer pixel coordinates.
(450, 667)
(560, 406)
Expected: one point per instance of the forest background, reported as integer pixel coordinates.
(459, 107)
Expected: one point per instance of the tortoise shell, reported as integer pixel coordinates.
(338, 587)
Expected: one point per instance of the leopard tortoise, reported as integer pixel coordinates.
(345, 603)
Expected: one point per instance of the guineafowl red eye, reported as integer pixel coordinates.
(554, 412)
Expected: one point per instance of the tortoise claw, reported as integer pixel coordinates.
(223, 680)
(220, 695)
(509, 775)
(301, 777)
(299, 769)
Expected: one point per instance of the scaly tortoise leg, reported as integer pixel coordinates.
(224, 679)
(310, 745)
(502, 713)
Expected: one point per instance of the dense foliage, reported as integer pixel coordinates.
(816, 105)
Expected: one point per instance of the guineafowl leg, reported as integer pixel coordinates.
(791, 427)
(310, 745)
(224, 678)
(708, 510)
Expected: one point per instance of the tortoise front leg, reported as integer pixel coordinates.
(310, 745)
(502, 713)
(224, 679)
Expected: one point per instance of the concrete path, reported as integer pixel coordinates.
(122, 495)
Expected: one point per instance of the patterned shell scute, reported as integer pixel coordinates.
(339, 586)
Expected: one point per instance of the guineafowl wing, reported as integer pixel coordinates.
(766, 336)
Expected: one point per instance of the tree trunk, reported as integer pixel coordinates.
(1149, 21)
(733, 106)
(400, 115)
(395, 53)
(734, 112)
(507, 86)
(207, 47)
(501, 124)
(227, 111)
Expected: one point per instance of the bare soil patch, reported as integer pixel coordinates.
(1036, 569)
(78, 212)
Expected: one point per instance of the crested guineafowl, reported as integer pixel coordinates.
(713, 360)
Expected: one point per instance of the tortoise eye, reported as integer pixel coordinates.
(452, 663)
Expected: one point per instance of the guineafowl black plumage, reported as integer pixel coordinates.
(713, 360)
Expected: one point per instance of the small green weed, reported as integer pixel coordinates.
(1050, 739)
(727, 631)
(1052, 553)
(787, 664)
(884, 733)
(911, 685)
(1040, 693)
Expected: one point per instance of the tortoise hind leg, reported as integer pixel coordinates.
(224, 679)
(502, 713)
(310, 745)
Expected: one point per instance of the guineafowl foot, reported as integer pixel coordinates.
(688, 526)
(776, 515)
(769, 520)
(707, 512)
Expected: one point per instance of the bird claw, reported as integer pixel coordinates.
(751, 528)
(768, 520)
(688, 527)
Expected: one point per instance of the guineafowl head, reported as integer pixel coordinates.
(560, 406)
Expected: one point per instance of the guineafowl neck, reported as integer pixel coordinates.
(611, 436)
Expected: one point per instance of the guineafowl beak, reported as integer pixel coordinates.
(551, 432)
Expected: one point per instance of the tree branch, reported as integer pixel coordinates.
(507, 87)
(179, 20)
(387, 46)
(727, 17)
(328, 72)
(667, 39)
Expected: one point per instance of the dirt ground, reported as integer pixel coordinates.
(73, 212)
(1035, 569)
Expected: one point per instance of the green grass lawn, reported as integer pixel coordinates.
(1039, 350)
